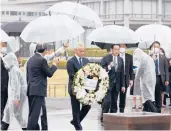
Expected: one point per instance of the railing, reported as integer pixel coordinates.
(57, 90)
(112, 17)
(144, 16)
(166, 17)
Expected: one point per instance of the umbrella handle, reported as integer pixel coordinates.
(74, 15)
(49, 13)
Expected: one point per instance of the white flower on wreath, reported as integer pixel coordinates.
(91, 96)
(81, 73)
(81, 94)
(103, 73)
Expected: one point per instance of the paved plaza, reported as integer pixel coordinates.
(60, 115)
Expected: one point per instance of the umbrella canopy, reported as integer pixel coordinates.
(153, 32)
(4, 37)
(14, 28)
(107, 46)
(13, 44)
(53, 28)
(114, 34)
(81, 13)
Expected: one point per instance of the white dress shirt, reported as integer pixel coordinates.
(78, 58)
(122, 55)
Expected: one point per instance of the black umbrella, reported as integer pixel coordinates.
(108, 45)
(14, 28)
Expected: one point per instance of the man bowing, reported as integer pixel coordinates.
(37, 73)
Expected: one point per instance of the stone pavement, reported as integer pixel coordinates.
(60, 115)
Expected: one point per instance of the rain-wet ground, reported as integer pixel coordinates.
(60, 115)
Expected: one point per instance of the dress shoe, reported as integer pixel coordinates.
(72, 122)
(121, 110)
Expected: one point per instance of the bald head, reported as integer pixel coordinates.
(79, 51)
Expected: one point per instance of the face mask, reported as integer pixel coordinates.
(161, 53)
(122, 50)
(156, 50)
(4, 50)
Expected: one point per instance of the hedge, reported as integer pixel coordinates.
(89, 52)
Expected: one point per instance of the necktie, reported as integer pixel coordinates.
(80, 60)
(114, 62)
(156, 66)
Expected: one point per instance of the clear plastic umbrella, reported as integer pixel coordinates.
(3, 37)
(153, 32)
(114, 34)
(81, 13)
(53, 28)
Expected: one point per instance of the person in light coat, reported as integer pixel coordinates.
(17, 103)
(145, 78)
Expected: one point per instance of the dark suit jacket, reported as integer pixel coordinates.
(163, 67)
(128, 68)
(37, 73)
(72, 68)
(170, 73)
(119, 74)
(4, 77)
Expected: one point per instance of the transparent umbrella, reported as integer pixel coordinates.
(153, 32)
(113, 34)
(3, 37)
(81, 13)
(53, 28)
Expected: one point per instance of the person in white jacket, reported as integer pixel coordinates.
(145, 78)
(17, 103)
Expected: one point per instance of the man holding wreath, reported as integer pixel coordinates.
(73, 65)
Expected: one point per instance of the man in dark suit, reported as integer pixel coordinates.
(73, 65)
(162, 74)
(114, 65)
(128, 74)
(170, 80)
(37, 73)
(4, 79)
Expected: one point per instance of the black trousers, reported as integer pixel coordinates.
(44, 122)
(78, 115)
(4, 98)
(35, 105)
(106, 103)
(114, 99)
(122, 100)
(158, 91)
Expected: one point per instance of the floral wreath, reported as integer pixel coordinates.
(91, 71)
